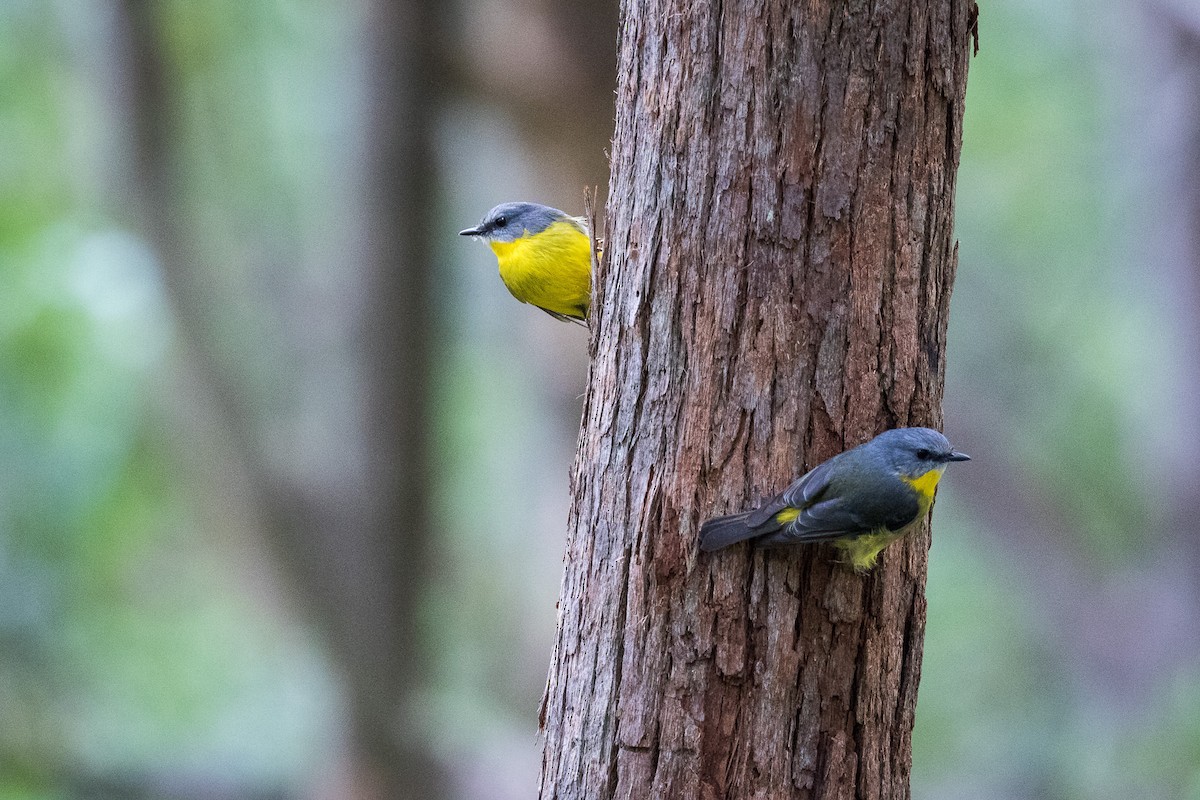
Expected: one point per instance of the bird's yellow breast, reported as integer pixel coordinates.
(925, 485)
(863, 551)
(551, 269)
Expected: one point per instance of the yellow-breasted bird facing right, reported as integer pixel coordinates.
(861, 500)
(545, 257)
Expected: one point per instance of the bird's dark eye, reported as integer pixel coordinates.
(923, 454)
(501, 222)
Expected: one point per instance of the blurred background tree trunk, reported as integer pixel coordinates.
(775, 288)
(353, 530)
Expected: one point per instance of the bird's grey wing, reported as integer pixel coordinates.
(821, 521)
(564, 317)
(763, 515)
(811, 485)
(835, 517)
(803, 492)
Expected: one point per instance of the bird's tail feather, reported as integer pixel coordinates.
(724, 531)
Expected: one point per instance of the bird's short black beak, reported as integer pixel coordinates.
(476, 231)
(954, 455)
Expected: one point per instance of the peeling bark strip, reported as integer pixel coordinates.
(774, 288)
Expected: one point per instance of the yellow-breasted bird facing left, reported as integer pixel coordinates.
(545, 257)
(861, 500)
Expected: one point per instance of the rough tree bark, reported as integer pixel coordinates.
(775, 288)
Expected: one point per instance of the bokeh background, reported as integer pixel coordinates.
(247, 470)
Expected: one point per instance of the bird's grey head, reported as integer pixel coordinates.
(508, 222)
(915, 451)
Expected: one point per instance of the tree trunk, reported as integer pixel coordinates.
(774, 289)
(384, 567)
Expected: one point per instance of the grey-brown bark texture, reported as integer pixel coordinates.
(775, 288)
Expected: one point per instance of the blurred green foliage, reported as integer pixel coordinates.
(124, 632)
(1040, 334)
(1055, 349)
(140, 633)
